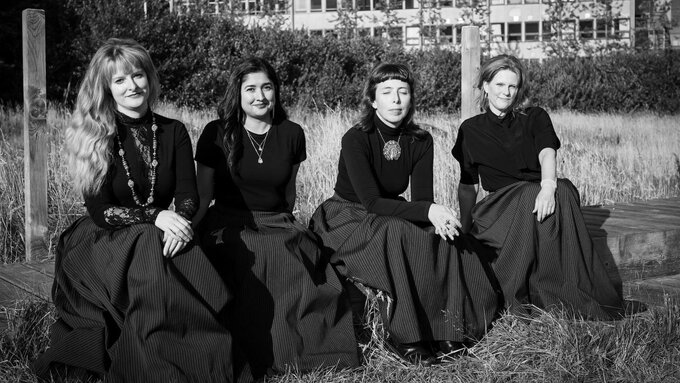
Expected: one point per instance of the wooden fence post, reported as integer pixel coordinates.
(36, 147)
(471, 53)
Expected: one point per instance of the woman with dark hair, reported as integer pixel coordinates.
(290, 310)
(136, 301)
(544, 256)
(437, 295)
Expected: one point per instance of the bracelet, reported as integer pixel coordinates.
(549, 182)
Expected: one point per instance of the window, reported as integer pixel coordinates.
(498, 32)
(532, 1)
(601, 29)
(446, 35)
(316, 5)
(514, 32)
(392, 4)
(363, 5)
(514, 2)
(397, 34)
(531, 31)
(316, 32)
(409, 4)
(565, 29)
(446, 3)
(497, 2)
(547, 31)
(331, 5)
(585, 27)
(459, 33)
(364, 32)
(622, 28)
(412, 36)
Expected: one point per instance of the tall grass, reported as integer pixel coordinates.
(546, 348)
(610, 158)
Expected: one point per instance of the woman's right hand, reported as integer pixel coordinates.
(174, 225)
(445, 221)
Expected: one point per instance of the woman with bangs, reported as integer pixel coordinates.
(136, 301)
(289, 310)
(532, 220)
(437, 298)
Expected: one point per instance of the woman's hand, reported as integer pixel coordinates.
(545, 202)
(174, 225)
(444, 220)
(172, 245)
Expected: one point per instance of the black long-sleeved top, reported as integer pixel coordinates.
(113, 206)
(503, 151)
(365, 176)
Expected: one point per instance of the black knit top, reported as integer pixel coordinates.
(366, 176)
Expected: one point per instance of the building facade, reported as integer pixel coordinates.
(521, 27)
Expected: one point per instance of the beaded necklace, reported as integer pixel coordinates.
(154, 165)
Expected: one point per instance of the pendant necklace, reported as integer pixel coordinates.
(259, 147)
(152, 166)
(391, 149)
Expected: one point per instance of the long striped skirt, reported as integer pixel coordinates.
(546, 264)
(290, 310)
(437, 290)
(128, 314)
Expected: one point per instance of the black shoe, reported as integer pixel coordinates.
(415, 353)
(448, 349)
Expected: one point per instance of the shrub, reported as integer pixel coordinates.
(195, 53)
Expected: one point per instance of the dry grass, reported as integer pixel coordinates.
(549, 347)
(610, 158)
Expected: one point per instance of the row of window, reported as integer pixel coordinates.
(258, 6)
(500, 32)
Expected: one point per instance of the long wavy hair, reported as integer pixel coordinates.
(489, 70)
(89, 136)
(232, 115)
(380, 73)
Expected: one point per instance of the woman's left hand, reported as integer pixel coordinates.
(172, 245)
(545, 203)
(444, 220)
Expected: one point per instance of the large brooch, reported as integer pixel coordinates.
(392, 150)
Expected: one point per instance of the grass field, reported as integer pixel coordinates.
(610, 158)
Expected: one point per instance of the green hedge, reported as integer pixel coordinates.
(195, 53)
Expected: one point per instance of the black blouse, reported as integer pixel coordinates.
(251, 185)
(366, 176)
(113, 206)
(503, 151)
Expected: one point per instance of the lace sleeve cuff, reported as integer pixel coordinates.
(187, 208)
(124, 216)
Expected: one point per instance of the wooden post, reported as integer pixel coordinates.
(471, 53)
(36, 147)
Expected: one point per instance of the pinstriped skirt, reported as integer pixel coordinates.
(129, 314)
(438, 290)
(546, 264)
(290, 310)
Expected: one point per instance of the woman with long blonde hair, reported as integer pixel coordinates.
(136, 301)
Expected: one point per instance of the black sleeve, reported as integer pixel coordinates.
(299, 146)
(362, 177)
(186, 193)
(421, 177)
(106, 213)
(468, 172)
(207, 152)
(543, 131)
